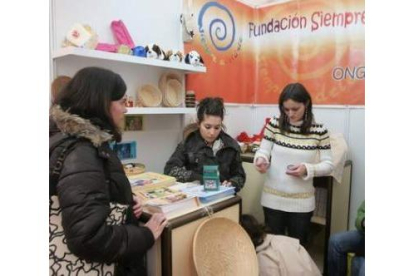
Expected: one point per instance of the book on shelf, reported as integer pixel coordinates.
(209, 196)
(149, 181)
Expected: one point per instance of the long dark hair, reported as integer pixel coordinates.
(213, 107)
(298, 93)
(255, 230)
(89, 94)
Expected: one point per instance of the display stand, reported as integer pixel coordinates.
(172, 253)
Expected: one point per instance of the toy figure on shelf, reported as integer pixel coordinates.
(194, 58)
(82, 36)
(154, 51)
(175, 56)
(139, 51)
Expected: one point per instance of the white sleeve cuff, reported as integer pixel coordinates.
(259, 154)
(310, 171)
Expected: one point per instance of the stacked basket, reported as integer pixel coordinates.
(149, 96)
(171, 88)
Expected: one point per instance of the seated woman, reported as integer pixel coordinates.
(208, 144)
(278, 255)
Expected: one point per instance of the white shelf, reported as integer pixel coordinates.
(95, 54)
(160, 110)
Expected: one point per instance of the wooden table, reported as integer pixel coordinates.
(172, 253)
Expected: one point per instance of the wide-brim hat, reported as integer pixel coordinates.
(222, 247)
(149, 95)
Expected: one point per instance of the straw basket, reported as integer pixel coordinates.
(162, 83)
(222, 247)
(174, 93)
(149, 96)
(132, 169)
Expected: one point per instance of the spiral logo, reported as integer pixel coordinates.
(217, 27)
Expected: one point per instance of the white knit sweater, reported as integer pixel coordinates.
(289, 193)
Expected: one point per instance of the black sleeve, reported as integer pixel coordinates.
(176, 166)
(84, 199)
(238, 176)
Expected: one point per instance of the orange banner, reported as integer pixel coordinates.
(251, 54)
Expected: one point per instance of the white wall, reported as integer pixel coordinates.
(147, 22)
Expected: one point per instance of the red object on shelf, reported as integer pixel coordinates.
(259, 137)
(121, 34)
(106, 47)
(243, 137)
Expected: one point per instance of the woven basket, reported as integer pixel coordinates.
(149, 96)
(137, 168)
(162, 83)
(174, 93)
(222, 247)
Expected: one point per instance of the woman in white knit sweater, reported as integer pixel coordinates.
(293, 151)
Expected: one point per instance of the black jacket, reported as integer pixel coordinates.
(186, 163)
(84, 196)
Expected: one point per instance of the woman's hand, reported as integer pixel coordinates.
(156, 224)
(261, 165)
(297, 170)
(226, 183)
(137, 208)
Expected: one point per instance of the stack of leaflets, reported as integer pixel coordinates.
(209, 196)
(150, 181)
(167, 201)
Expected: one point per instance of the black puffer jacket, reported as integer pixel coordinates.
(186, 163)
(84, 196)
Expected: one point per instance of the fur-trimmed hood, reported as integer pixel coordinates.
(77, 126)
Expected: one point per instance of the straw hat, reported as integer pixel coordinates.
(174, 93)
(149, 95)
(162, 83)
(132, 169)
(58, 84)
(222, 247)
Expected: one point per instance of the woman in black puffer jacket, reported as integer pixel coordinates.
(92, 187)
